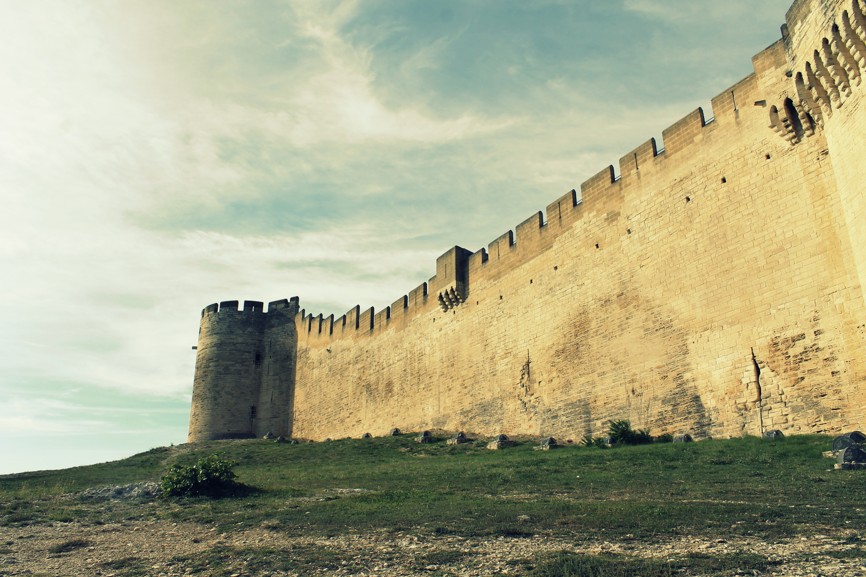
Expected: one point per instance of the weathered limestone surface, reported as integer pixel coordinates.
(715, 287)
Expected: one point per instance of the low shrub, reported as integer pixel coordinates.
(599, 442)
(621, 433)
(211, 476)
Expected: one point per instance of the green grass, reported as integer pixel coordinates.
(148, 466)
(713, 488)
(573, 565)
(126, 567)
(224, 561)
(70, 545)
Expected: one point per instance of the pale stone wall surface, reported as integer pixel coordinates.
(714, 287)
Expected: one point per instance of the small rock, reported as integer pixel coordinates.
(851, 455)
(500, 442)
(458, 439)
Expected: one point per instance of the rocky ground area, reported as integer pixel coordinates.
(170, 549)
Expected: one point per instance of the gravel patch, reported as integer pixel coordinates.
(146, 491)
(166, 549)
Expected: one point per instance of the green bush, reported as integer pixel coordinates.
(621, 433)
(211, 476)
(598, 442)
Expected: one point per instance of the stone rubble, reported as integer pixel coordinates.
(146, 490)
(164, 549)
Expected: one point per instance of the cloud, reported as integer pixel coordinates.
(160, 156)
(674, 11)
(65, 407)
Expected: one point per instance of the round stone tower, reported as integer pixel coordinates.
(277, 389)
(236, 354)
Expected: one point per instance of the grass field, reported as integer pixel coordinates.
(766, 490)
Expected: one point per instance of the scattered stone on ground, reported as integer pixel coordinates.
(145, 490)
(549, 443)
(853, 457)
(458, 439)
(161, 548)
(500, 442)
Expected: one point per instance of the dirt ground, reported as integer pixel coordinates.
(170, 549)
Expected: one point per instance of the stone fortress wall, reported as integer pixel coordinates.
(713, 287)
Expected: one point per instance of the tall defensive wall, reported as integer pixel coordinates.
(714, 285)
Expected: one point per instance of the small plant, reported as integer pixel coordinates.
(664, 438)
(599, 442)
(211, 476)
(622, 433)
(602, 442)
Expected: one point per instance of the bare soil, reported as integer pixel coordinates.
(162, 549)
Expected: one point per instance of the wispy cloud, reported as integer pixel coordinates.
(160, 156)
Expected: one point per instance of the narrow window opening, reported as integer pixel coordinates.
(596, 245)
(767, 156)
(734, 101)
(794, 118)
(253, 412)
(688, 199)
(258, 359)
(724, 180)
(556, 268)
(530, 281)
(628, 231)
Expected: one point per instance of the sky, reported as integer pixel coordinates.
(157, 156)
